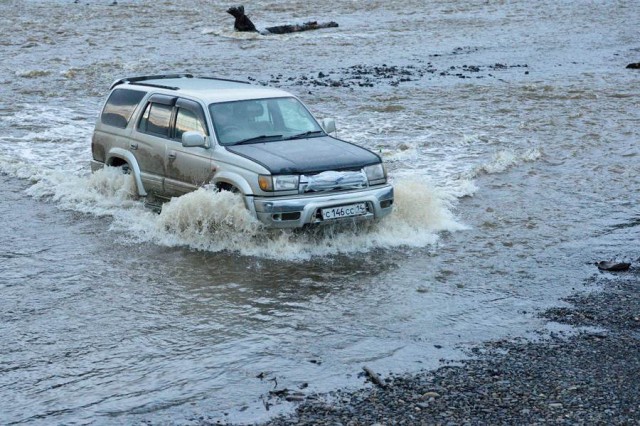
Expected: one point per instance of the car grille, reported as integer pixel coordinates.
(333, 181)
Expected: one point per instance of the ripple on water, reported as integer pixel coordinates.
(113, 313)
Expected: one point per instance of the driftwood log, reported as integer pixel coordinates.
(374, 377)
(312, 25)
(605, 265)
(244, 24)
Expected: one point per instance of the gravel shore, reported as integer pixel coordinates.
(590, 375)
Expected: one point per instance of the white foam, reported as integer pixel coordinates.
(505, 160)
(404, 153)
(231, 33)
(102, 193)
(32, 73)
(39, 139)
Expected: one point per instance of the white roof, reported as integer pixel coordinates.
(209, 90)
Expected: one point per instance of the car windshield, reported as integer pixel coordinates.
(262, 120)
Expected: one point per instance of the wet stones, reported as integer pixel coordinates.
(389, 75)
(371, 75)
(464, 50)
(583, 377)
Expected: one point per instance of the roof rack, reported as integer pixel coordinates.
(224, 79)
(160, 86)
(150, 77)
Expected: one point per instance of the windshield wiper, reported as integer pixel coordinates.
(255, 139)
(305, 134)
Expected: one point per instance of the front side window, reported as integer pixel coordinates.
(262, 120)
(186, 121)
(120, 106)
(156, 119)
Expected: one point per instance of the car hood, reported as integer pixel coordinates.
(309, 155)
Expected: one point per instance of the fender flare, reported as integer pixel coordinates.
(133, 164)
(233, 179)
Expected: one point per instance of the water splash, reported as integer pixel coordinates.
(206, 219)
(102, 193)
(215, 221)
(218, 221)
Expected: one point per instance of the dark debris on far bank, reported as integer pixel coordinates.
(392, 75)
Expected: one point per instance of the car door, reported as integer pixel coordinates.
(187, 168)
(149, 141)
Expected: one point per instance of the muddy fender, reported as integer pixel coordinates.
(235, 180)
(133, 166)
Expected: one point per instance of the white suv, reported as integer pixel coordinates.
(176, 133)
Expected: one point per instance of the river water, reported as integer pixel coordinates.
(510, 131)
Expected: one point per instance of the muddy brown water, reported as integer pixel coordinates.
(510, 133)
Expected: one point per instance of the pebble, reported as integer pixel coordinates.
(579, 378)
(430, 395)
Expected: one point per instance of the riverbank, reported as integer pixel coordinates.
(588, 375)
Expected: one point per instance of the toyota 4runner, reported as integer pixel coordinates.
(176, 133)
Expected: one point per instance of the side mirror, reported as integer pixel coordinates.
(329, 125)
(191, 139)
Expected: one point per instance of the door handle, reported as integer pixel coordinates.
(172, 155)
(133, 146)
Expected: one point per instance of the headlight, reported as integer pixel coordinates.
(278, 183)
(376, 174)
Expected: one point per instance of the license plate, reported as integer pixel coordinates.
(344, 211)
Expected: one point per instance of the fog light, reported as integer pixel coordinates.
(291, 216)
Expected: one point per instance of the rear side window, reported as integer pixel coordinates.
(156, 119)
(120, 106)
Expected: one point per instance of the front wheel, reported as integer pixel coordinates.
(228, 187)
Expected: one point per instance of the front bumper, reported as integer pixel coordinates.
(297, 211)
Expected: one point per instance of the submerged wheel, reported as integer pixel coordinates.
(223, 186)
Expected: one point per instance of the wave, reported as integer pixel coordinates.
(505, 160)
(32, 73)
